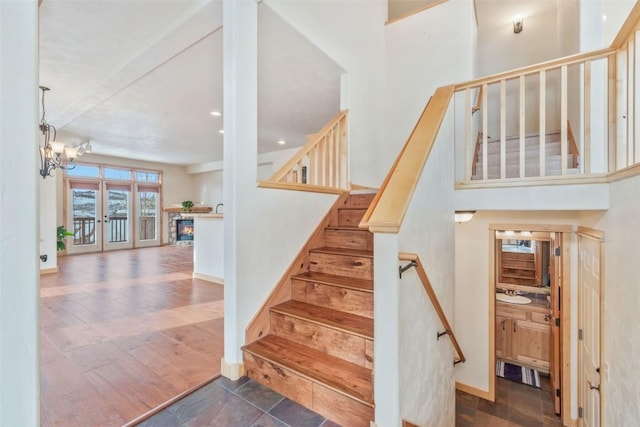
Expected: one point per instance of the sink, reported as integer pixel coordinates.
(513, 299)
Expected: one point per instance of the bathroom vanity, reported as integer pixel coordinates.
(523, 332)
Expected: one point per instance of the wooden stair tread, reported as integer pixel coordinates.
(354, 283)
(343, 251)
(339, 320)
(347, 228)
(341, 376)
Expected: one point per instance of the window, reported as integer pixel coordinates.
(117, 174)
(87, 171)
(146, 176)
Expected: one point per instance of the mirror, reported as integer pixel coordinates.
(523, 260)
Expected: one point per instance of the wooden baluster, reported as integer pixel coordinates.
(563, 118)
(586, 150)
(299, 169)
(522, 126)
(631, 85)
(332, 159)
(621, 93)
(323, 160)
(311, 170)
(485, 130)
(344, 153)
(503, 129)
(635, 150)
(468, 166)
(543, 123)
(612, 111)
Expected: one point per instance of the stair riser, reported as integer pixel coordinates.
(340, 344)
(334, 297)
(343, 265)
(361, 200)
(350, 217)
(352, 239)
(324, 401)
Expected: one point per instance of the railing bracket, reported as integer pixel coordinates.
(406, 267)
(456, 361)
(443, 333)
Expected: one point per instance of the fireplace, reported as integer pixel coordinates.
(184, 230)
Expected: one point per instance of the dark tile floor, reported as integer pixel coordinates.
(516, 405)
(241, 403)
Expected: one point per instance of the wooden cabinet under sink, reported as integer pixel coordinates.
(522, 335)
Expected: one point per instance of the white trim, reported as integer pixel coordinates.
(208, 278)
(233, 371)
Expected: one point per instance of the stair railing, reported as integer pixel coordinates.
(414, 261)
(321, 165)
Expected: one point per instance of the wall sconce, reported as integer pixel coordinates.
(518, 24)
(464, 216)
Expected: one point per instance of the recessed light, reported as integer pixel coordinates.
(221, 131)
(282, 142)
(216, 113)
(604, 18)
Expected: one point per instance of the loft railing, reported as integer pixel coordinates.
(615, 68)
(321, 165)
(414, 261)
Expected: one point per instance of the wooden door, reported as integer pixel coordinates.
(589, 328)
(502, 332)
(555, 353)
(530, 343)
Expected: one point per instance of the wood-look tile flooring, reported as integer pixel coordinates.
(241, 403)
(516, 405)
(122, 333)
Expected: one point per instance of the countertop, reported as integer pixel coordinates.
(538, 303)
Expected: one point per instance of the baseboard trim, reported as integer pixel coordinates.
(48, 270)
(208, 278)
(232, 371)
(472, 390)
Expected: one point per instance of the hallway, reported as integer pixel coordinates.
(123, 332)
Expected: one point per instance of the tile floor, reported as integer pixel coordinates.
(241, 403)
(516, 405)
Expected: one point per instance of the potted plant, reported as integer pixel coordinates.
(187, 206)
(61, 233)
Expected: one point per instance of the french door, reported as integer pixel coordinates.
(100, 216)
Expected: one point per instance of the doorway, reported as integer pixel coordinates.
(590, 279)
(526, 327)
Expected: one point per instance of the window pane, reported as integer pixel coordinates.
(84, 216)
(85, 171)
(121, 174)
(146, 176)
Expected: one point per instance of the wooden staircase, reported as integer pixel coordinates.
(319, 349)
(553, 157)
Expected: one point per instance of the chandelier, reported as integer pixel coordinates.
(54, 154)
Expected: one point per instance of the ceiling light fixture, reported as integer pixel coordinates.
(464, 216)
(216, 113)
(55, 154)
(282, 142)
(518, 24)
(221, 131)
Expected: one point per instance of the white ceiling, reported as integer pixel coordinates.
(140, 78)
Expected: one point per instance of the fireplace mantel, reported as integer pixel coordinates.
(195, 209)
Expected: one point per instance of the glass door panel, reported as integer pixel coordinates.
(148, 203)
(117, 213)
(84, 211)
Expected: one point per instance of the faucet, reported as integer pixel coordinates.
(218, 205)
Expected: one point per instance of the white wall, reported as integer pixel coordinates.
(19, 217)
(207, 188)
(47, 190)
(208, 248)
(255, 219)
(352, 34)
(472, 287)
(621, 224)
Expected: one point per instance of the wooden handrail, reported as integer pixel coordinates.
(628, 28)
(395, 194)
(324, 159)
(536, 68)
(404, 256)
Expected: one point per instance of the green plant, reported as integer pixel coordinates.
(187, 205)
(61, 234)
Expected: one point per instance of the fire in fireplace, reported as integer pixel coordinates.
(184, 230)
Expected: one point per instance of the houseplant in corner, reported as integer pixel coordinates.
(187, 206)
(61, 233)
